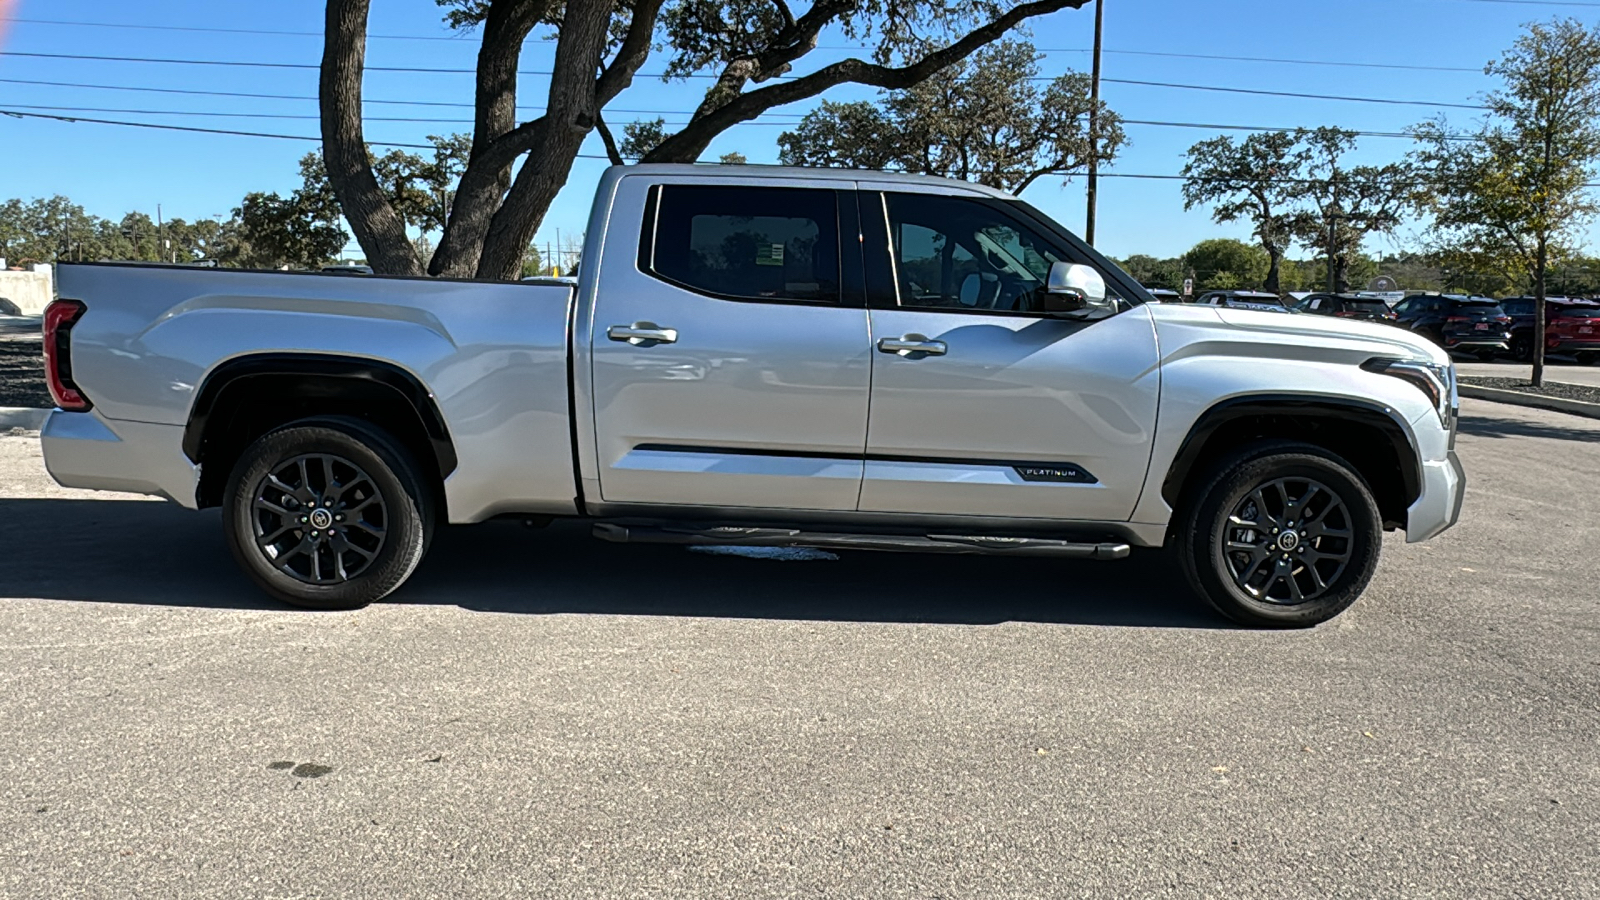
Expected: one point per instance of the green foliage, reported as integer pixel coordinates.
(985, 119)
(419, 188)
(1516, 191)
(1251, 179)
(1515, 196)
(1294, 186)
(1226, 264)
(1155, 273)
(639, 138)
(298, 231)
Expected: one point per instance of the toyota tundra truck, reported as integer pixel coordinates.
(763, 357)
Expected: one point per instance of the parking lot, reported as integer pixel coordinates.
(541, 714)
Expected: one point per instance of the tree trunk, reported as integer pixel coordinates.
(1341, 273)
(483, 184)
(1274, 266)
(379, 229)
(1540, 314)
(569, 116)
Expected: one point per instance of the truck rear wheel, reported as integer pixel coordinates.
(327, 514)
(1281, 535)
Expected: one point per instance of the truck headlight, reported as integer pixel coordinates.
(1436, 380)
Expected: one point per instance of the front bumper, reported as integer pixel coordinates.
(83, 450)
(1438, 508)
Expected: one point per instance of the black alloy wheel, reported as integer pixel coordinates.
(328, 513)
(1279, 534)
(319, 518)
(1288, 541)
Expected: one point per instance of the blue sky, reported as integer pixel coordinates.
(111, 169)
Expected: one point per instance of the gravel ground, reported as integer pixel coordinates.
(1581, 392)
(22, 371)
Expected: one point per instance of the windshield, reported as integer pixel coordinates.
(1369, 306)
(1579, 312)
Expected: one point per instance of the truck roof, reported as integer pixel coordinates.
(746, 173)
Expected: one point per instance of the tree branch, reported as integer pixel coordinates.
(688, 144)
(506, 27)
(633, 52)
(607, 139)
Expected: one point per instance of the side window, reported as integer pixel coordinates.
(958, 254)
(745, 243)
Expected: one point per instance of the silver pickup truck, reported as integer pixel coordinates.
(763, 356)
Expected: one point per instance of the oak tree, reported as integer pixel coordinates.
(749, 49)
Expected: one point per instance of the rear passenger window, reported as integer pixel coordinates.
(745, 243)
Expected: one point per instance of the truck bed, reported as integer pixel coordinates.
(493, 356)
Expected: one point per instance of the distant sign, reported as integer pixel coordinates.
(1188, 287)
(1383, 284)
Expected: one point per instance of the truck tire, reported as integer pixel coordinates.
(1280, 535)
(327, 513)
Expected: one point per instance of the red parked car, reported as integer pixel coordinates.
(1574, 328)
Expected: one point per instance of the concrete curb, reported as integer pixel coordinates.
(1518, 398)
(29, 419)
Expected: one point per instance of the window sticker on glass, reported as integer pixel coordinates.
(769, 254)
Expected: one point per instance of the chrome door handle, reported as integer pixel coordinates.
(913, 345)
(643, 334)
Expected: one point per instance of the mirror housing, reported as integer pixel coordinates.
(1074, 287)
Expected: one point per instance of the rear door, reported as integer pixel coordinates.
(1006, 410)
(730, 358)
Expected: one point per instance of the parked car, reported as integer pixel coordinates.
(1475, 325)
(1164, 295)
(1520, 309)
(1345, 306)
(1575, 328)
(749, 358)
(1257, 300)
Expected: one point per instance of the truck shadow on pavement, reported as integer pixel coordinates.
(1488, 426)
(159, 554)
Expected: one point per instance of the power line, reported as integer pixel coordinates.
(464, 39)
(312, 99)
(1203, 126)
(252, 31)
(297, 116)
(458, 71)
(295, 137)
(1293, 94)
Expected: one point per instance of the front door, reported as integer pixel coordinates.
(730, 369)
(984, 401)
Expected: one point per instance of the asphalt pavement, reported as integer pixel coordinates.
(539, 714)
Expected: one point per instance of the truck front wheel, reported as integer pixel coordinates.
(327, 514)
(1281, 535)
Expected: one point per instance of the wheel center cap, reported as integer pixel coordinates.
(1286, 541)
(321, 518)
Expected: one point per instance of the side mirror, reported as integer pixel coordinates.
(1074, 287)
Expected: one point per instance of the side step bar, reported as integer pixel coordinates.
(792, 537)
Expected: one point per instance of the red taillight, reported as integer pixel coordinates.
(1347, 315)
(1457, 320)
(59, 317)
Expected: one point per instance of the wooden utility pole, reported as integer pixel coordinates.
(1094, 121)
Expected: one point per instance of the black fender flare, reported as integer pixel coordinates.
(1339, 409)
(320, 368)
